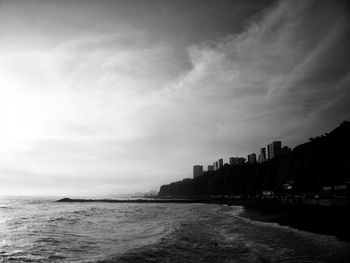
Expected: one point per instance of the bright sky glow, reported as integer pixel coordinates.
(110, 97)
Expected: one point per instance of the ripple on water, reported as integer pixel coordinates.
(52, 232)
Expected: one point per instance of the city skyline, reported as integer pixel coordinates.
(115, 97)
(272, 150)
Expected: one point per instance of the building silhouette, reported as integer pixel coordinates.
(262, 156)
(252, 158)
(197, 170)
(268, 152)
(215, 165)
(220, 163)
(236, 160)
(275, 149)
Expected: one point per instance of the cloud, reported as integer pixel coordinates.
(275, 77)
(80, 117)
(132, 109)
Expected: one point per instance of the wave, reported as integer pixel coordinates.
(154, 233)
(6, 207)
(238, 213)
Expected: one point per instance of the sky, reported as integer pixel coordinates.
(115, 97)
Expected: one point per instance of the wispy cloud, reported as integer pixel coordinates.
(135, 106)
(277, 77)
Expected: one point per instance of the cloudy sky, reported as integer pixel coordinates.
(108, 97)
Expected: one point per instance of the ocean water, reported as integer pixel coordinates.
(46, 231)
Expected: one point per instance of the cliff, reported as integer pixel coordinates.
(323, 161)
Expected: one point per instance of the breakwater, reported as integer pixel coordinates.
(77, 200)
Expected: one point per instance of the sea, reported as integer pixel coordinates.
(41, 230)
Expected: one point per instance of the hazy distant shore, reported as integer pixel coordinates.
(322, 220)
(131, 200)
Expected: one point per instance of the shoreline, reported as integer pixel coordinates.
(332, 221)
(326, 220)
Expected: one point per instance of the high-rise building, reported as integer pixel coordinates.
(220, 163)
(252, 158)
(197, 170)
(276, 149)
(210, 168)
(273, 150)
(269, 151)
(263, 154)
(216, 166)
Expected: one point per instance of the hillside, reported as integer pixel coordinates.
(323, 161)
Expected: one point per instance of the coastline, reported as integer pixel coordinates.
(327, 220)
(332, 221)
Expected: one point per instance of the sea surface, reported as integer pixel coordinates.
(45, 231)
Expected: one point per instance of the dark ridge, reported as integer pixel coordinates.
(323, 161)
(319, 172)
